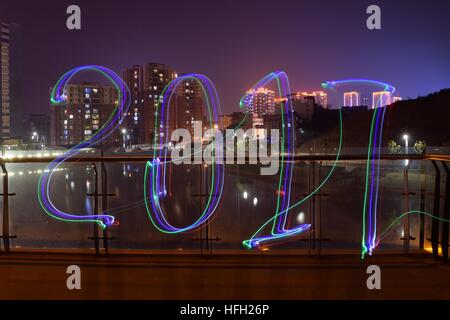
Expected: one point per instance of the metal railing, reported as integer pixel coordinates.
(439, 228)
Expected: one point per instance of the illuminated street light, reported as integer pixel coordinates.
(406, 138)
(35, 136)
(124, 133)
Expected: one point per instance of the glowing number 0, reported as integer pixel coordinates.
(155, 172)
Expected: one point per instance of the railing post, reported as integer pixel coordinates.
(319, 228)
(310, 203)
(313, 211)
(207, 226)
(436, 207)
(104, 194)
(6, 237)
(423, 187)
(406, 221)
(95, 194)
(105, 206)
(445, 226)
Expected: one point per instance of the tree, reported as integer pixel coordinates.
(420, 146)
(393, 146)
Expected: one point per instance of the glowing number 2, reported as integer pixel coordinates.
(58, 96)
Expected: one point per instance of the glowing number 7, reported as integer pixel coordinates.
(370, 207)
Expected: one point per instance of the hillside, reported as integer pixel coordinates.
(425, 118)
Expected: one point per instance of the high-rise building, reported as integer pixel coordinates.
(381, 99)
(351, 99)
(240, 120)
(320, 97)
(303, 105)
(225, 122)
(36, 128)
(87, 107)
(5, 82)
(134, 78)
(276, 121)
(186, 106)
(146, 86)
(260, 102)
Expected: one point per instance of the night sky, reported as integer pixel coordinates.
(237, 42)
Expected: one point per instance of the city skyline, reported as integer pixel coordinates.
(211, 44)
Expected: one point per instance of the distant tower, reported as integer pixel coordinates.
(351, 99)
(320, 97)
(5, 82)
(87, 107)
(260, 102)
(303, 105)
(146, 85)
(381, 99)
(187, 106)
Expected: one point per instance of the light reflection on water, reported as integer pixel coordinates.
(248, 201)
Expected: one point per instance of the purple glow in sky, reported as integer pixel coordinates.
(236, 42)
